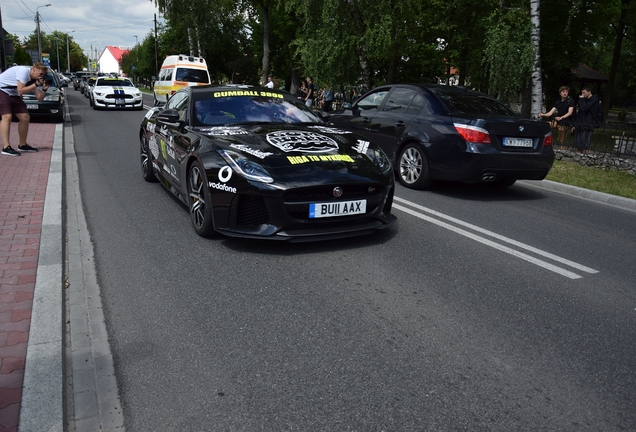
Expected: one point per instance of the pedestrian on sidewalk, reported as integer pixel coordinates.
(14, 82)
(564, 108)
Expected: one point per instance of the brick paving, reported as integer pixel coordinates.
(23, 182)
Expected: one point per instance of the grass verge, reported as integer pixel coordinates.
(611, 182)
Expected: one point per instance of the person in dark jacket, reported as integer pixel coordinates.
(585, 119)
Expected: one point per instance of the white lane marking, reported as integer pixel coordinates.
(490, 243)
(500, 237)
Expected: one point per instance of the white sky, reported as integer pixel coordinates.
(97, 23)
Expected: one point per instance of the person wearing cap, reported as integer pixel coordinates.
(14, 82)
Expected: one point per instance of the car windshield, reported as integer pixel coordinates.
(114, 82)
(192, 75)
(251, 109)
(464, 103)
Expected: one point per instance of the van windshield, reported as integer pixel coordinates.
(192, 75)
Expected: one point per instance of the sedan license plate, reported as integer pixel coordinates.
(344, 208)
(32, 106)
(517, 142)
(120, 102)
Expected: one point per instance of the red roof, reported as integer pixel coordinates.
(117, 52)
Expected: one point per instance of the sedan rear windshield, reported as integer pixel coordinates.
(192, 75)
(251, 109)
(464, 103)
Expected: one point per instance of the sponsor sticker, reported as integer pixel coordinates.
(302, 141)
(254, 152)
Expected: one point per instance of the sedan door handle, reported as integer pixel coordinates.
(400, 124)
(365, 120)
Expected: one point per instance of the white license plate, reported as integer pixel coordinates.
(343, 208)
(517, 142)
(32, 106)
(120, 102)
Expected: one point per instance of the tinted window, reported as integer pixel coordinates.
(399, 100)
(179, 102)
(191, 75)
(471, 103)
(372, 101)
(417, 104)
(114, 82)
(209, 110)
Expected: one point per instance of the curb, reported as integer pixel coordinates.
(612, 200)
(42, 406)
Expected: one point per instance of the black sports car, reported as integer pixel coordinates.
(434, 132)
(255, 162)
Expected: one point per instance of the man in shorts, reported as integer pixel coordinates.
(14, 82)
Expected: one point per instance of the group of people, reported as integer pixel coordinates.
(579, 122)
(323, 98)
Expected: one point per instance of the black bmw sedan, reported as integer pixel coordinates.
(433, 132)
(255, 162)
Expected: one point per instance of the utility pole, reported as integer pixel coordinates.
(156, 49)
(37, 20)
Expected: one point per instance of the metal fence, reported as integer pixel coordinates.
(615, 139)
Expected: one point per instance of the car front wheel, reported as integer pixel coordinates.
(199, 199)
(413, 169)
(146, 161)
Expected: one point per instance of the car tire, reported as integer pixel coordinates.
(147, 170)
(199, 201)
(413, 169)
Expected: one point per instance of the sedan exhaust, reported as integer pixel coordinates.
(488, 177)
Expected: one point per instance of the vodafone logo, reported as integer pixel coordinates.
(225, 174)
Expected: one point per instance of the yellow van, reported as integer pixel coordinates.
(179, 71)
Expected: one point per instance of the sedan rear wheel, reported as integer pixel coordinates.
(200, 201)
(413, 169)
(147, 171)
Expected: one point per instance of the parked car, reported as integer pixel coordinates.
(434, 132)
(257, 163)
(88, 86)
(52, 107)
(111, 92)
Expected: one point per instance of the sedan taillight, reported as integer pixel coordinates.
(547, 140)
(473, 134)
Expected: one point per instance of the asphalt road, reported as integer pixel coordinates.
(479, 310)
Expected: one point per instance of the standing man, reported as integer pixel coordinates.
(14, 82)
(309, 98)
(564, 108)
(270, 83)
(585, 119)
(328, 99)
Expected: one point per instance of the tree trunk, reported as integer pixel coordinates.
(620, 33)
(265, 16)
(537, 87)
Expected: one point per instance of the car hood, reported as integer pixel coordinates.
(287, 151)
(51, 91)
(107, 89)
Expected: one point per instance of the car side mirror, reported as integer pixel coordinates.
(170, 117)
(324, 115)
(347, 105)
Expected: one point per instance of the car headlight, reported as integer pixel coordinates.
(55, 98)
(137, 94)
(381, 160)
(245, 167)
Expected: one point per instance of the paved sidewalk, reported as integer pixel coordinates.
(23, 188)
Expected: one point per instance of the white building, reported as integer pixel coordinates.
(109, 60)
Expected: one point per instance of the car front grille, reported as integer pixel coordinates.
(251, 211)
(119, 96)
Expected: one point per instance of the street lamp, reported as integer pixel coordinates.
(37, 20)
(68, 55)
